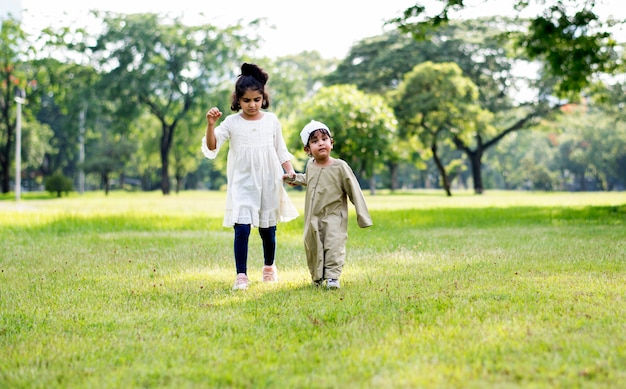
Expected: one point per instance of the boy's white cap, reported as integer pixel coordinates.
(309, 128)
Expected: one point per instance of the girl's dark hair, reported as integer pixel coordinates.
(251, 78)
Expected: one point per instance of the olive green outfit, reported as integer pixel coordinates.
(326, 215)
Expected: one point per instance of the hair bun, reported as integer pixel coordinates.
(250, 69)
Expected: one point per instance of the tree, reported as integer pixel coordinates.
(593, 146)
(186, 148)
(503, 162)
(609, 101)
(110, 144)
(68, 100)
(58, 183)
(568, 36)
(14, 77)
(166, 67)
(584, 149)
(35, 145)
(377, 64)
(293, 78)
(436, 103)
(108, 156)
(362, 126)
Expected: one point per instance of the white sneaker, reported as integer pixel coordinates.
(332, 283)
(241, 282)
(270, 274)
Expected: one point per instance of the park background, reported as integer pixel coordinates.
(530, 101)
(492, 163)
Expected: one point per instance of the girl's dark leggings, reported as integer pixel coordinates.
(242, 233)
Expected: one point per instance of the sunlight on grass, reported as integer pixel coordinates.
(212, 202)
(134, 290)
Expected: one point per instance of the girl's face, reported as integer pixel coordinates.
(250, 103)
(320, 145)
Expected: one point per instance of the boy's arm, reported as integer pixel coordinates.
(296, 179)
(354, 193)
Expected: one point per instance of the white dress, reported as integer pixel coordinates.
(255, 193)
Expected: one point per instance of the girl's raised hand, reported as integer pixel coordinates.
(213, 115)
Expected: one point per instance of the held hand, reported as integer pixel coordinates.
(213, 115)
(290, 178)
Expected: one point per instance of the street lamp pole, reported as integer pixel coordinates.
(19, 99)
(81, 152)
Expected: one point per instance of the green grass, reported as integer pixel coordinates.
(503, 290)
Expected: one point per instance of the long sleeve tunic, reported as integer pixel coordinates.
(255, 193)
(326, 215)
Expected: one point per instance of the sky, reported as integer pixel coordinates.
(329, 26)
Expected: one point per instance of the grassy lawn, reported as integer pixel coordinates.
(503, 290)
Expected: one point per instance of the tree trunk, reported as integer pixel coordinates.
(5, 161)
(393, 170)
(165, 176)
(179, 183)
(583, 183)
(475, 158)
(107, 184)
(372, 181)
(166, 145)
(442, 171)
(6, 176)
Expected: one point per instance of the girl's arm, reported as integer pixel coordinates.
(289, 169)
(212, 116)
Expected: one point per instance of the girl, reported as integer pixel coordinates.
(257, 160)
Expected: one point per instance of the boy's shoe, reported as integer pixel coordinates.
(270, 274)
(241, 282)
(317, 283)
(332, 283)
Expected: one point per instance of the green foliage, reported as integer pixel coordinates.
(571, 48)
(36, 139)
(437, 104)
(58, 183)
(144, 80)
(362, 125)
(567, 35)
(502, 290)
(15, 79)
(581, 150)
(593, 147)
(165, 67)
(109, 155)
(294, 78)
(378, 64)
(70, 102)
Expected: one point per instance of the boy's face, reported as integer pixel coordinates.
(320, 145)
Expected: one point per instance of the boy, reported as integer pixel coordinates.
(330, 182)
